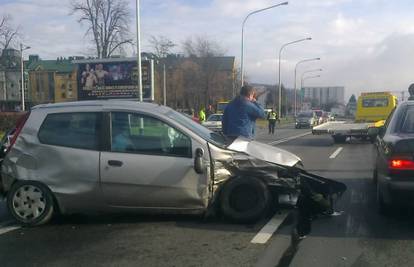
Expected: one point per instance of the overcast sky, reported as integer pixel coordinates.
(365, 45)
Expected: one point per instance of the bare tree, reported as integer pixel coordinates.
(161, 46)
(107, 22)
(209, 85)
(8, 33)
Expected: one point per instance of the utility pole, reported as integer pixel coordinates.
(139, 53)
(164, 85)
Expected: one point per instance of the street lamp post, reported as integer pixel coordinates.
(296, 67)
(139, 52)
(280, 82)
(303, 79)
(242, 37)
(22, 48)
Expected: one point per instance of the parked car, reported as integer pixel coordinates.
(213, 122)
(103, 156)
(394, 165)
(305, 119)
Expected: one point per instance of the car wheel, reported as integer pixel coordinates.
(30, 203)
(245, 199)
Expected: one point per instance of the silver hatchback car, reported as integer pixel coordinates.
(103, 156)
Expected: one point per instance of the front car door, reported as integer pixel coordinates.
(150, 165)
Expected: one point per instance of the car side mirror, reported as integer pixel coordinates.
(198, 161)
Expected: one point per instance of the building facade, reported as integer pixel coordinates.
(10, 80)
(51, 81)
(323, 96)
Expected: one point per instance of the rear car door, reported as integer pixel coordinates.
(150, 165)
(67, 159)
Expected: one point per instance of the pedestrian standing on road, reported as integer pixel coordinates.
(240, 114)
(202, 115)
(271, 118)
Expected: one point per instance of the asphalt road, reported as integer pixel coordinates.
(359, 237)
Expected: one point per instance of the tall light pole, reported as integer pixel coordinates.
(303, 79)
(139, 52)
(164, 91)
(280, 82)
(22, 48)
(296, 67)
(242, 37)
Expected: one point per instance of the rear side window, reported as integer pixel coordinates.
(407, 125)
(76, 130)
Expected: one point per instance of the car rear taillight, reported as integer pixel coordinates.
(19, 126)
(401, 164)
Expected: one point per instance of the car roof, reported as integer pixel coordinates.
(115, 104)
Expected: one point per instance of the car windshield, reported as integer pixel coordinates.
(214, 117)
(305, 115)
(215, 138)
(318, 113)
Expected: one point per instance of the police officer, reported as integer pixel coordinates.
(271, 118)
(202, 115)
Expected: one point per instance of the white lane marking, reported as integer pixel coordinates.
(267, 231)
(336, 153)
(7, 229)
(288, 138)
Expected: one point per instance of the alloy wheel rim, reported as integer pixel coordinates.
(29, 202)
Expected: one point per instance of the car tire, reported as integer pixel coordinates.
(30, 203)
(245, 199)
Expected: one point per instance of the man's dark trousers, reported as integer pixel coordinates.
(272, 124)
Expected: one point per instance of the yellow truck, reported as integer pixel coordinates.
(221, 105)
(372, 111)
(373, 107)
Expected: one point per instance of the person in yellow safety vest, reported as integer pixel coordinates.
(271, 118)
(202, 115)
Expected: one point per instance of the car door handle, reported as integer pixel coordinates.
(115, 163)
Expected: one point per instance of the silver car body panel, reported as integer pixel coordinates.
(264, 152)
(82, 179)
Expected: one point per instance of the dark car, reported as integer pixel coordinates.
(394, 165)
(305, 119)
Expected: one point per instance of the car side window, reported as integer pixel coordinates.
(76, 130)
(387, 123)
(135, 133)
(408, 121)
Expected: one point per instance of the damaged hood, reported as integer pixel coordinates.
(264, 152)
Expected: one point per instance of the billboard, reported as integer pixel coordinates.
(114, 79)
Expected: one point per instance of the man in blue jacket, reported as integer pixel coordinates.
(239, 118)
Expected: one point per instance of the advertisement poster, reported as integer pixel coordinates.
(113, 79)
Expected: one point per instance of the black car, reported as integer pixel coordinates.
(394, 165)
(305, 119)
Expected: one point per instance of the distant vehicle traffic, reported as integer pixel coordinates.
(213, 122)
(305, 119)
(394, 164)
(221, 106)
(372, 107)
